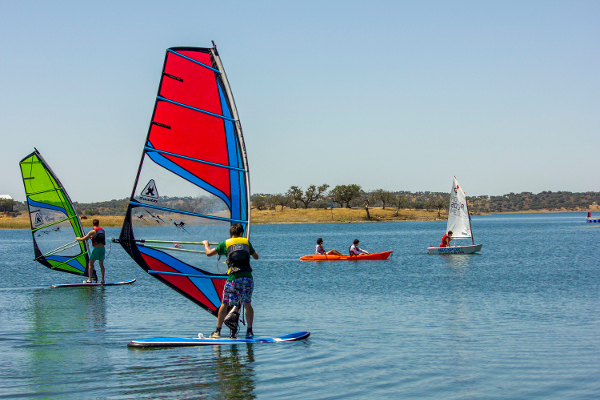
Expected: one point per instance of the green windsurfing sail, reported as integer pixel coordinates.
(54, 222)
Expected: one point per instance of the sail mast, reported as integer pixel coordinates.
(238, 127)
(469, 215)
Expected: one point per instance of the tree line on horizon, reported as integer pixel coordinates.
(353, 196)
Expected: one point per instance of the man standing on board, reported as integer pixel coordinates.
(98, 253)
(240, 285)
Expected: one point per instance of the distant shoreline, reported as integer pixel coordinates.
(303, 216)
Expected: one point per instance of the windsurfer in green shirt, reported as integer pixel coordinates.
(240, 284)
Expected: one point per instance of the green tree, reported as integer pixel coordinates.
(278, 200)
(313, 194)
(294, 194)
(383, 196)
(7, 205)
(259, 202)
(441, 202)
(344, 194)
(399, 201)
(368, 199)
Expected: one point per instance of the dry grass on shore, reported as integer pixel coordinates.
(22, 221)
(290, 216)
(285, 216)
(314, 215)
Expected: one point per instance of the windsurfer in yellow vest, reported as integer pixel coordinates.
(98, 253)
(240, 285)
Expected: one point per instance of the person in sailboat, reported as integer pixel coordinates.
(446, 239)
(98, 252)
(355, 250)
(320, 250)
(240, 284)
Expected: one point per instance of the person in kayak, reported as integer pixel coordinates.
(320, 250)
(446, 239)
(355, 250)
(98, 252)
(240, 285)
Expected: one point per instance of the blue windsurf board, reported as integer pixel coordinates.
(182, 342)
(93, 284)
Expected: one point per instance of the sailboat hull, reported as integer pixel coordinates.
(474, 248)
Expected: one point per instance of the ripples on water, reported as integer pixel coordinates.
(519, 320)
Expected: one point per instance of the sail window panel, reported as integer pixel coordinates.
(191, 133)
(173, 187)
(43, 215)
(55, 237)
(154, 224)
(196, 86)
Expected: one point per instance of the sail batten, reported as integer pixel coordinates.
(194, 61)
(151, 149)
(50, 224)
(241, 221)
(194, 108)
(193, 181)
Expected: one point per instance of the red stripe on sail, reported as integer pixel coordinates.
(195, 85)
(181, 282)
(219, 285)
(195, 135)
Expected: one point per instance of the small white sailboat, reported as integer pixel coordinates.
(459, 222)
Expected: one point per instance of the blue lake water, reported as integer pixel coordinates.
(520, 320)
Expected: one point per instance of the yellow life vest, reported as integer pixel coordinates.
(238, 255)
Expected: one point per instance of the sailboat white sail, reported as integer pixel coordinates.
(458, 214)
(459, 222)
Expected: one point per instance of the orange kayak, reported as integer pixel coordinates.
(322, 257)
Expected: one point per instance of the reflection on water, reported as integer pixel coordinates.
(55, 311)
(457, 261)
(222, 372)
(234, 371)
(63, 323)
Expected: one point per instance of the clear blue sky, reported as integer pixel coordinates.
(391, 95)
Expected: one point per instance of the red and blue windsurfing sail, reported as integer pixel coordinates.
(54, 222)
(193, 181)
